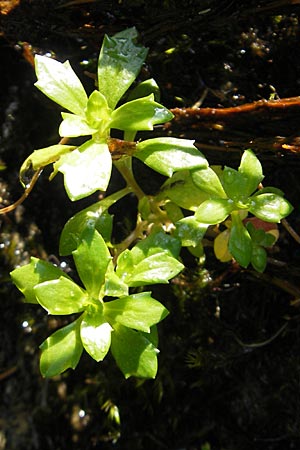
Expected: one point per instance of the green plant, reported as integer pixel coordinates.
(108, 308)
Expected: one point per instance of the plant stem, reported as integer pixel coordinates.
(124, 166)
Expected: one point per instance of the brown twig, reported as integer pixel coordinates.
(260, 106)
(25, 194)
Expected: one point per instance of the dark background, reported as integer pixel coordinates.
(212, 392)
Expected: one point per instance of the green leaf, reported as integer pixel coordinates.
(60, 83)
(92, 258)
(141, 114)
(152, 260)
(235, 184)
(214, 211)
(73, 126)
(240, 243)
(86, 169)
(190, 231)
(43, 157)
(95, 334)
(251, 168)
(36, 272)
(270, 207)
(119, 63)
(181, 190)
(114, 286)
(134, 353)
(259, 258)
(208, 181)
(157, 268)
(155, 243)
(259, 236)
(145, 88)
(62, 296)
(137, 311)
(95, 215)
(167, 155)
(62, 350)
(97, 111)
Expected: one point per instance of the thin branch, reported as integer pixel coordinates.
(25, 194)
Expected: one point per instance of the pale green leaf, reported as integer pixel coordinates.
(214, 211)
(137, 311)
(43, 157)
(86, 169)
(114, 286)
(97, 111)
(95, 215)
(62, 350)
(208, 181)
(95, 334)
(145, 88)
(60, 297)
(154, 243)
(134, 353)
(141, 114)
(270, 207)
(190, 231)
(167, 155)
(60, 83)
(73, 126)
(36, 272)
(91, 258)
(157, 268)
(181, 189)
(251, 168)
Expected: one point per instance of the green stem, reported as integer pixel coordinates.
(124, 166)
(116, 196)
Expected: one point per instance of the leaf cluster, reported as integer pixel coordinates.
(109, 309)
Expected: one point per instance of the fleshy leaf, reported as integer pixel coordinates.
(61, 296)
(235, 184)
(240, 243)
(95, 334)
(270, 207)
(134, 353)
(97, 111)
(86, 169)
(155, 243)
(221, 246)
(36, 272)
(95, 215)
(141, 114)
(62, 350)
(214, 211)
(43, 157)
(114, 286)
(251, 168)
(181, 189)
(137, 311)
(145, 88)
(73, 126)
(190, 231)
(91, 258)
(167, 155)
(119, 63)
(157, 268)
(259, 258)
(208, 181)
(60, 83)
